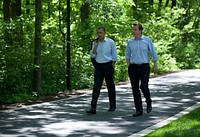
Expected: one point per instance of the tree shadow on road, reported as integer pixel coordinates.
(67, 117)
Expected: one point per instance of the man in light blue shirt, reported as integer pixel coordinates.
(138, 51)
(105, 53)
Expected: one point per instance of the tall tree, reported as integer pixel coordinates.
(135, 13)
(159, 7)
(49, 9)
(173, 3)
(12, 9)
(27, 7)
(150, 7)
(37, 59)
(68, 47)
(60, 22)
(6, 10)
(16, 8)
(196, 18)
(7, 16)
(85, 12)
(151, 2)
(166, 3)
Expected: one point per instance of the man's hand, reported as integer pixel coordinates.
(113, 63)
(95, 47)
(128, 62)
(155, 68)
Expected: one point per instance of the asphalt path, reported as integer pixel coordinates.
(171, 94)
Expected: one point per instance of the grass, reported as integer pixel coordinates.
(187, 126)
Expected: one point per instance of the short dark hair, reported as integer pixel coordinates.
(103, 28)
(139, 26)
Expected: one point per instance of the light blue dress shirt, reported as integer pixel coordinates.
(106, 51)
(138, 50)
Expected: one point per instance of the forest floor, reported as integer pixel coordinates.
(58, 96)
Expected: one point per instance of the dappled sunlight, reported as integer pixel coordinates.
(104, 127)
(35, 116)
(161, 98)
(170, 94)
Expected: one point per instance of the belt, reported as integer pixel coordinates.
(110, 62)
(140, 65)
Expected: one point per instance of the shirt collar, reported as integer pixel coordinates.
(105, 39)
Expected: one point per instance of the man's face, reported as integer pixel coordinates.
(136, 32)
(101, 34)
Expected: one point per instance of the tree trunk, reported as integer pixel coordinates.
(49, 9)
(167, 3)
(7, 16)
(151, 2)
(37, 59)
(12, 9)
(197, 19)
(27, 7)
(173, 3)
(151, 6)
(16, 8)
(16, 12)
(135, 14)
(160, 5)
(85, 12)
(6, 10)
(68, 48)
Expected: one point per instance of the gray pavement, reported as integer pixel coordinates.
(172, 96)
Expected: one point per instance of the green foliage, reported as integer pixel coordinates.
(121, 70)
(16, 65)
(53, 76)
(176, 48)
(166, 62)
(189, 47)
(82, 72)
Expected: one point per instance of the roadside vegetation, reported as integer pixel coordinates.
(187, 126)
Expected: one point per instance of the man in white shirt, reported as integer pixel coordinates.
(105, 53)
(138, 50)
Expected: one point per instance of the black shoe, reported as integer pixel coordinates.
(112, 109)
(91, 111)
(149, 108)
(137, 113)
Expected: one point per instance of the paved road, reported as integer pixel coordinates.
(171, 94)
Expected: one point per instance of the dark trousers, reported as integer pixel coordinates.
(104, 70)
(139, 77)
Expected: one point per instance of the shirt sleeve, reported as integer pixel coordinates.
(114, 52)
(153, 51)
(128, 52)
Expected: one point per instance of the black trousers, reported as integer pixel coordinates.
(104, 70)
(139, 77)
